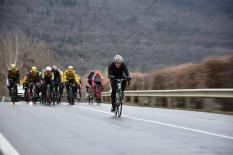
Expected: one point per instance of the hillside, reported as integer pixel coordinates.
(148, 33)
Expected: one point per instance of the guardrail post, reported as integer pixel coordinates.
(3, 99)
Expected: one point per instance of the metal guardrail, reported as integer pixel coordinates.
(207, 93)
(5, 99)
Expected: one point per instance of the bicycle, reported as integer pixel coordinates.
(119, 98)
(32, 93)
(71, 93)
(48, 95)
(78, 93)
(13, 92)
(98, 91)
(57, 93)
(90, 97)
(43, 94)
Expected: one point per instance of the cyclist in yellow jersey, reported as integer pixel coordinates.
(13, 77)
(70, 76)
(32, 77)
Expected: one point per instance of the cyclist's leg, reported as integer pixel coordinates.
(79, 88)
(75, 88)
(113, 94)
(62, 88)
(123, 84)
(52, 86)
(9, 87)
(98, 84)
(43, 91)
(37, 90)
(67, 88)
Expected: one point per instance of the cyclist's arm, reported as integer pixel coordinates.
(64, 76)
(126, 71)
(110, 71)
(61, 76)
(77, 79)
(18, 77)
(93, 82)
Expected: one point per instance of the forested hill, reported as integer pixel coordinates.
(148, 33)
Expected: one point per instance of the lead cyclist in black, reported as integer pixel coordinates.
(117, 70)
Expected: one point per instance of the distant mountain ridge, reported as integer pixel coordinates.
(148, 33)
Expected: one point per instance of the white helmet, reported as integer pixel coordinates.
(48, 68)
(118, 58)
(55, 68)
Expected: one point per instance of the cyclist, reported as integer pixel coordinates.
(97, 81)
(117, 70)
(32, 77)
(47, 79)
(13, 77)
(70, 76)
(58, 79)
(41, 73)
(89, 80)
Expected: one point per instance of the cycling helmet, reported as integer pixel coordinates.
(118, 59)
(48, 69)
(55, 68)
(97, 73)
(13, 66)
(70, 68)
(33, 69)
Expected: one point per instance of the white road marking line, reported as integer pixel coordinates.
(161, 123)
(6, 148)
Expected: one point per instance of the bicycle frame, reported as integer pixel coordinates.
(98, 91)
(118, 103)
(71, 93)
(90, 96)
(14, 93)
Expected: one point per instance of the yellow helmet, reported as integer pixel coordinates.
(33, 69)
(13, 66)
(70, 68)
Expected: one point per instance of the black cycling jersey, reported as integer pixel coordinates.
(89, 78)
(121, 72)
(57, 76)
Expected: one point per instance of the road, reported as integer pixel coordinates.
(88, 130)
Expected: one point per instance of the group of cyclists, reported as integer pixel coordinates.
(50, 82)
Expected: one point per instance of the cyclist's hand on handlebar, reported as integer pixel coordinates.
(128, 78)
(112, 77)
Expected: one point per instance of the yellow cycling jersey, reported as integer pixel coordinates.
(25, 80)
(13, 73)
(62, 76)
(71, 75)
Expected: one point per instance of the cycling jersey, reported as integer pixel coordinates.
(71, 76)
(121, 72)
(31, 77)
(48, 77)
(13, 76)
(97, 80)
(58, 77)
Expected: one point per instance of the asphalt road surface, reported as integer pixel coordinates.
(87, 130)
